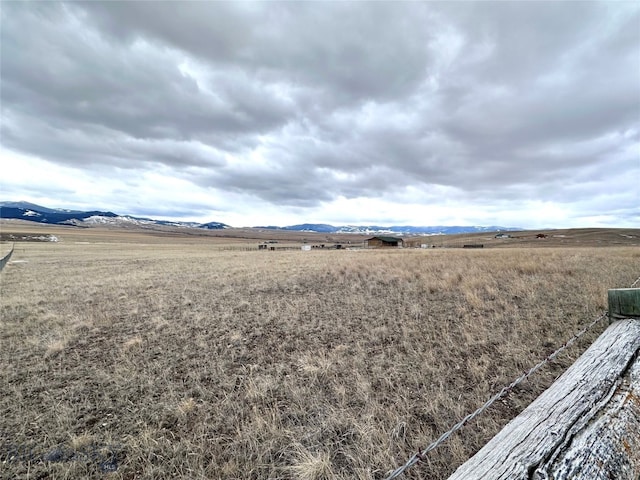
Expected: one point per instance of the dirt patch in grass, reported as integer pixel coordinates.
(179, 361)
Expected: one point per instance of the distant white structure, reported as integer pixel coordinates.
(306, 248)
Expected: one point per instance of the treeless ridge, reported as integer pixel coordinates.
(165, 357)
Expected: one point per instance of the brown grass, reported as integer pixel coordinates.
(166, 360)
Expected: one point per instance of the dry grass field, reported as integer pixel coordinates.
(142, 357)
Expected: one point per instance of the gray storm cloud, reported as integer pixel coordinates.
(301, 103)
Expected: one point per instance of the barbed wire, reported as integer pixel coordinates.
(420, 454)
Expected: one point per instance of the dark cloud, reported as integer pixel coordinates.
(349, 49)
(300, 104)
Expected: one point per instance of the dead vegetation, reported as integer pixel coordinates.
(181, 361)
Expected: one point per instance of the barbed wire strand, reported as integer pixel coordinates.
(419, 456)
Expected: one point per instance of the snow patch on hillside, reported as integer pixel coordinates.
(124, 220)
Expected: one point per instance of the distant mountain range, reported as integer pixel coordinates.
(395, 229)
(37, 213)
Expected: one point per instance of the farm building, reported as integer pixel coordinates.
(379, 242)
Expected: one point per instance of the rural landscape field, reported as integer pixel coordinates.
(134, 354)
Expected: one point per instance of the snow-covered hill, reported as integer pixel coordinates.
(37, 213)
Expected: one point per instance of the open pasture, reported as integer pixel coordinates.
(175, 359)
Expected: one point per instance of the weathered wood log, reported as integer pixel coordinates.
(624, 303)
(610, 446)
(4, 260)
(586, 426)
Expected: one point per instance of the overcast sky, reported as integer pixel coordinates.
(508, 113)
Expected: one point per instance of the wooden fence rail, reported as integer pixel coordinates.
(5, 259)
(586, 426)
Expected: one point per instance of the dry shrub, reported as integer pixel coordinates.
(133, 342)
(312, 466)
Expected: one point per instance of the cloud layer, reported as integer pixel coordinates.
(524, 113)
